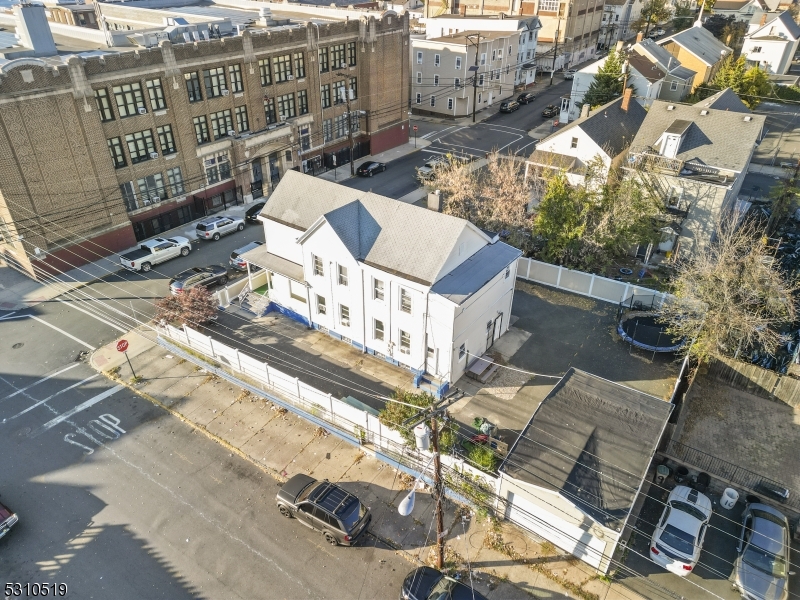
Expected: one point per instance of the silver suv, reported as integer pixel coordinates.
(214, 228)
(428, 171)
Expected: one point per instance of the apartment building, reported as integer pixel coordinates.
(618, 19)
(443, 68)
(101, 149)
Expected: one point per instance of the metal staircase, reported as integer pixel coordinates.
(253, 302)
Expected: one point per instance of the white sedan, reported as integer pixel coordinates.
(678, 538)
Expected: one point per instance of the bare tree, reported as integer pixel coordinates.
(732, 297)
(193, 307)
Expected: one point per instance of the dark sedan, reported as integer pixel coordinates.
(550, 111)
(509, 106)
(198, 276)
(251, 216)
(7, 520)
(426, 583)
(368, 169)
(526, 98)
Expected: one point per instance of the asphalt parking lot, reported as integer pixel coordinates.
(782, 134)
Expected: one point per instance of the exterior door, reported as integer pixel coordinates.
(431, 365)
(257, 187)
(274, 171)
(493, 329)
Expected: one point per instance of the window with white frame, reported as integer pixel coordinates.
(405, 301)
(419, 76)
(436, 80)
(405, 342)
(433, 100)
(449, 104)
(483, 58)
(297, 291)
(342, 275)
(322, 309)
(437, 60)
(457, 83)
(418, 99)
(419, 58)
(377, 329)
(494, 54)
(462, 351)
(574, 143)
(673, 86)
(508, 272)
(319, 269)
(458, 63)
(344, 315)
(549, 5)
(377, 289)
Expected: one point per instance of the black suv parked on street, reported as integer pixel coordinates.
(325, 507)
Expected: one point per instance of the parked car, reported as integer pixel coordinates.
(570, 74)
(252, 213)
(678, 537)
(236, 261)
(198, 276)
(214, 228)
(7, 520)
(658, 32)
(428, 171)
(526, 98)
(155, 251)
(761, 569)
(426, 583)
(368, 169)
(509, 106)
(326, 507)
(550, 111)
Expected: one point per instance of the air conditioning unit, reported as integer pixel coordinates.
(142, 111)
(231, 132)
(290, 77)
(225, 92)
(344, 65)
(154, 155)
(155, 198)
(283, 118)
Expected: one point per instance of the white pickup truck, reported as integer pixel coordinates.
(155, 251)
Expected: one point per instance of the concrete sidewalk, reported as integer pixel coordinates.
(504, 562)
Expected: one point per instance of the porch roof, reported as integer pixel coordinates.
(274, 263)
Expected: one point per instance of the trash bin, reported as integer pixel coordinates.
(729, 498)
(681, 473)
(662, 472)
(702, 482)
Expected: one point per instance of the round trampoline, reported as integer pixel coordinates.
(642, 329)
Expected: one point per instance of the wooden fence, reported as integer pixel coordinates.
(756, 380)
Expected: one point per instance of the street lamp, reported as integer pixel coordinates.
(406, 506)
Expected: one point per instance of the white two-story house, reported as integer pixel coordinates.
(773, 44)
(420, 289)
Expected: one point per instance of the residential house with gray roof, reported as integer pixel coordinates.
(695, 157)
(602, 135)
(697, 49)
(773, 44)
(657, 75)
(415, 287)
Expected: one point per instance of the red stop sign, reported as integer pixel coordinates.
(122, 345)
(415, 127)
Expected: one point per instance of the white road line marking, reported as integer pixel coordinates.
(74, 304)
(58, 393)
(10, 318)
(8, 315)
(83, 406)
(519, 137)
(27, 387)
(493, 127)
(525, 146)
(69, 335)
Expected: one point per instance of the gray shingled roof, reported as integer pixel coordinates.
(591, 441)
(786, 19)
(721, 138)
(392, 236)
(725, 100)
(646, 67)
(475, 272)
(700, 42)
(610, 127)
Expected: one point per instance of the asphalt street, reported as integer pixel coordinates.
(118, 499)
(507, 133)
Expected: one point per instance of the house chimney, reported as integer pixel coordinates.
(626, 99)
(763, 20)
(620, 44)
(585, 110)
(639, 37)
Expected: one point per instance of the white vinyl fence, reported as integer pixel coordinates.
(578, 282)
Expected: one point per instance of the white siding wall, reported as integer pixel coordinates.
(469, 327)
(281, 293)
(439, 325)
(586, 150)
(281, 240)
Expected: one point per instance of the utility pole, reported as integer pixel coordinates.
(437, 482)
(346, 92)
(555, 51)
(474, 70)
